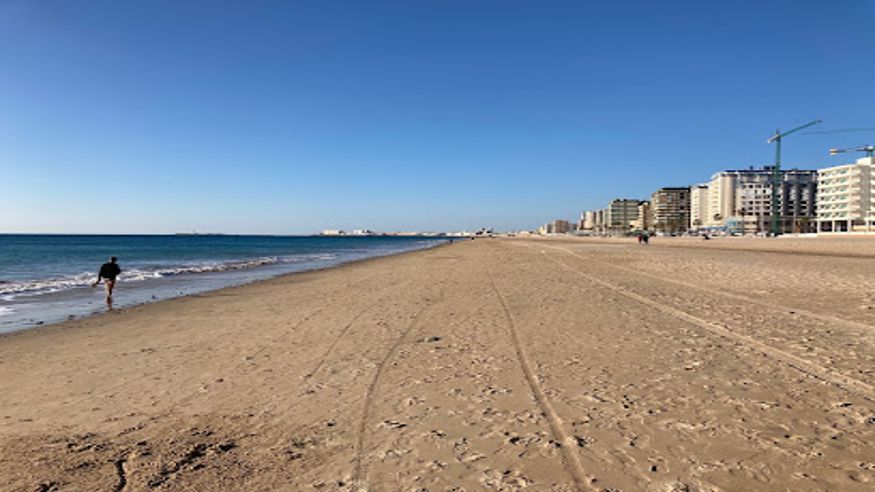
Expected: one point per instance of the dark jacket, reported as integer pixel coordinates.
(109, 271)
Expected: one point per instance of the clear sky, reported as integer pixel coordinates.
(291, 117)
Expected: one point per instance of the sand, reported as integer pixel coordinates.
(496, 364)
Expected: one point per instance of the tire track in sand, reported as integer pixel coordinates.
(326, 355)
(358, 481)
(567, 444)
(274, 341)
(847, 383)
(270, 343)
(738, 297)
(337, 339)
(369, 401)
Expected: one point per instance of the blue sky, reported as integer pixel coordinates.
(291, 117)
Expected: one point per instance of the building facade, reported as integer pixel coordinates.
(721, 190)
(846, 197)
(741, 200)
(599, 227)
(561, 226)
(620, 214)
(643, 222)
(670, 210)
(698, 205)
(558, 226)
(587, 220)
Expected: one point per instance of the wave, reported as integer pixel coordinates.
(12, 289)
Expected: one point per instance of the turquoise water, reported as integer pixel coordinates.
(47, 278)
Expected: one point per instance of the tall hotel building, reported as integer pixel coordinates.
(846, 197)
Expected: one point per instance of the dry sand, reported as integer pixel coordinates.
(491, 364)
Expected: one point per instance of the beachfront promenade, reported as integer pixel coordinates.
(494, 364)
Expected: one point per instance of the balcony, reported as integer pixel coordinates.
(834, 192)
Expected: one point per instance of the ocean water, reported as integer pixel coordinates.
(47, 278)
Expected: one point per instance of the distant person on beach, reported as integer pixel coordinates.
(108, 273)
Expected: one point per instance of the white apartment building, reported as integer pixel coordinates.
(588, 220)
(643, 222)
(721, 193)
(741, 200)
(698, 205)
(846, 197)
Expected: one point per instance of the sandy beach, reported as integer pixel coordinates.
(495, 364)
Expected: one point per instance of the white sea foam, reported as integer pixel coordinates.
(4, 310)
(10, 290)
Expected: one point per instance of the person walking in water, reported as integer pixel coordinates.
(108, 273)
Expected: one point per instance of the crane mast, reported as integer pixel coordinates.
(776, 173)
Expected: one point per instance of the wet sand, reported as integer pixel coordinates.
(500, 364)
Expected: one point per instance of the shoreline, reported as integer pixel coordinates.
(666, 242)
(122, 310)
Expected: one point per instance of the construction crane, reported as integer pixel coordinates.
(868, 149)
(776, 173)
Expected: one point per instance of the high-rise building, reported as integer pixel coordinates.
(741, 200)
(846, 197)
(698, 205)
(643, 222)
(721, 193)
(600, 216)
(561, 226)
(587, 220)
(670, 210)
(619, 215)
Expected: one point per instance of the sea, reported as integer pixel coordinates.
(47, 278)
